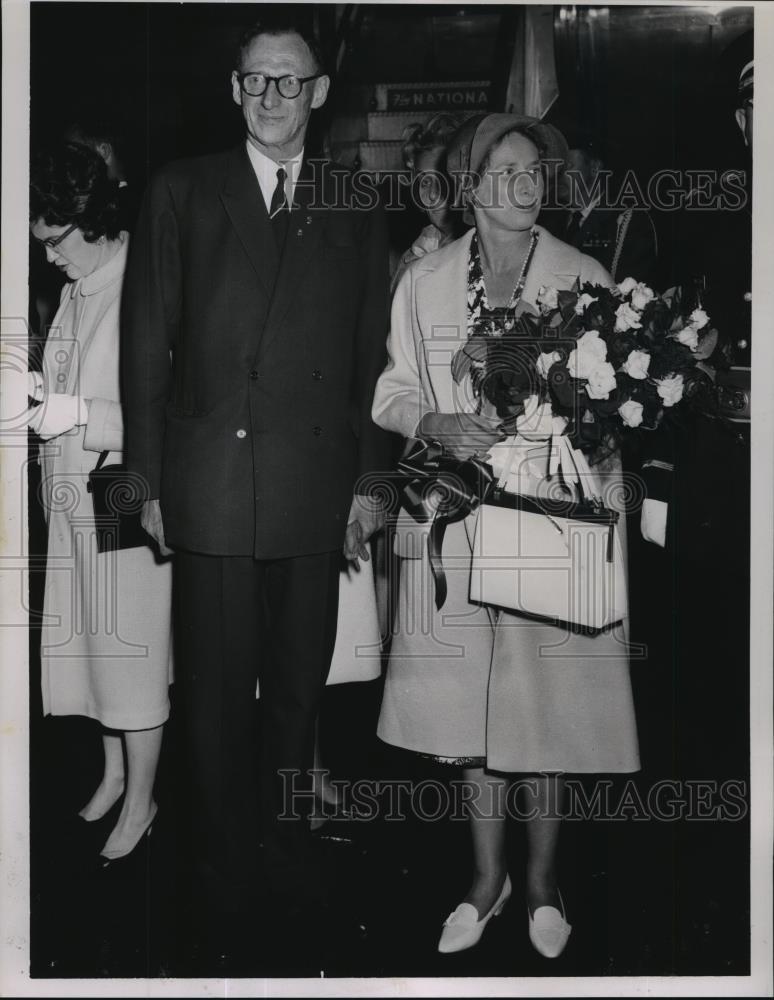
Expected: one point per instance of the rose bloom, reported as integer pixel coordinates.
(626, 318)
(547, 298)
(626, 286)
(583, 302)
(637, 364)
(642, 295)
(699, 318)
(545, 361)
(631, 413)
(689, 336)
(601, 381)
(590, 352)
(670, 389)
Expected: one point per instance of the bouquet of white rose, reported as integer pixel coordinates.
(604, 358)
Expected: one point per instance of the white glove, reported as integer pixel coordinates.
(57, 414)
(653, 520)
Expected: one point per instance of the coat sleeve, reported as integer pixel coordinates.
(400, 401)
(150, 319)
(104, 427)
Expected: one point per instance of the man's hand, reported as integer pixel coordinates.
(365, 518)
(463, 435)
(150, 519)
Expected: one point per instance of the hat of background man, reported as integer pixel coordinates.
(473, 141)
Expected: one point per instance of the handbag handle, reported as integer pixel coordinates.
(562, 455)
(101, 460)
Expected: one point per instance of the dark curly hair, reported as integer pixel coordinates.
(69, 184)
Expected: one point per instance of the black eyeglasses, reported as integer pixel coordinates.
(288, 86)
(54, 241)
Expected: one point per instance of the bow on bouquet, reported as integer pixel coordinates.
(604, 358)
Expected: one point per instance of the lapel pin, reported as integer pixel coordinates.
(299, 232)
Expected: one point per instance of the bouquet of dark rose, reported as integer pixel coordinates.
(606, 359)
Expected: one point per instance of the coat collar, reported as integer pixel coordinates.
(441, 283)
(243, 201)
(99, 280)
(552, 257)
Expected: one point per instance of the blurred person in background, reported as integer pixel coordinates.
(424, 153)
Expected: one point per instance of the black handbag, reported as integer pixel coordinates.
(117, 496)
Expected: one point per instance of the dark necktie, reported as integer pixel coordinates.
(278, 197)
(278, 210)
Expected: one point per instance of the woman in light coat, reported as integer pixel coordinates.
(105, 649)
(471, 685)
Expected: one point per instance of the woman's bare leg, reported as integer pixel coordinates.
(142, 757)
(111, 788)
(486, 814)
(543, 797)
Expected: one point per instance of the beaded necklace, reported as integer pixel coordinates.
(482, 319)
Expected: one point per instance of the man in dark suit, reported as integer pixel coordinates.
(254, 335)
(621, 237)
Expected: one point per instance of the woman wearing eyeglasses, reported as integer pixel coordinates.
(105, 648)
(495, 694)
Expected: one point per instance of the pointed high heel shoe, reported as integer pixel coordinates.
(462, 929)
(105, 812)
(549, 930)
(113, 860)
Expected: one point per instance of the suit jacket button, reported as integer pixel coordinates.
(317, 375)
(253, 374)
(241, 433)
(317, 431)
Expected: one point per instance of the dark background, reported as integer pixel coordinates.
(648, 79)
(646, 898)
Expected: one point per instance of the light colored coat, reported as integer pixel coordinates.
(105, 647)
(467, 684)
(429, 325)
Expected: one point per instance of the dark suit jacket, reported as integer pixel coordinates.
(247, 378)
(598, 237)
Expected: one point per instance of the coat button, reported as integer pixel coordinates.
(317, 375)
(241, 433)
(317, 431)
(253, 374)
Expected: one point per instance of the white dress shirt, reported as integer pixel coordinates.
(266, 172)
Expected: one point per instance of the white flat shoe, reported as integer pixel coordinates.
(549, 930)
(462, 928)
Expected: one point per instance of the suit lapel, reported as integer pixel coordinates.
(243, 201)
(305, 225)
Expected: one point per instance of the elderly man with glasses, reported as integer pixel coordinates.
(256, 315)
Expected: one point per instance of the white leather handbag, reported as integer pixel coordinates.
(559, 560)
